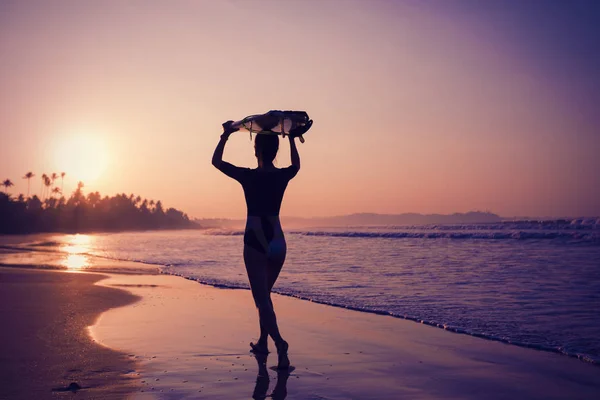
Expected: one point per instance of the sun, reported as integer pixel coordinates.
(84, 157)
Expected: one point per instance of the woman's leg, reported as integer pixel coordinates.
(257, 267)
(275, 260)
(264, 255)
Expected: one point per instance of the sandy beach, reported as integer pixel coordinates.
(166, 337)
(45, 348)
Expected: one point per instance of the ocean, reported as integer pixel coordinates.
(527, 283)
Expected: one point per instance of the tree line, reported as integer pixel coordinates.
(52, 212)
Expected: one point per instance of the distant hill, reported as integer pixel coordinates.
(367, 219)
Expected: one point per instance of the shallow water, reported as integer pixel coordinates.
(527, 283)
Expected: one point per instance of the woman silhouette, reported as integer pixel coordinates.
(264, 243)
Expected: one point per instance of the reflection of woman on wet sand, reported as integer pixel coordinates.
(264, 242)
(262, 380)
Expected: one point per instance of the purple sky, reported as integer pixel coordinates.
(419, 106)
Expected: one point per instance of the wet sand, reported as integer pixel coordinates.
(45, 345)
(191, 341)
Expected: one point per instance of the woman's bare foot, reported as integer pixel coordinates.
(283, 362)
(259, 347)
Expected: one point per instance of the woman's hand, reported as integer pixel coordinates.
(228, 129)
(300, 130)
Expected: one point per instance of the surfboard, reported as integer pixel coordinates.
(274, 122)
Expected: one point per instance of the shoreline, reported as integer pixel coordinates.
(443, 327)
(108, 266)
(190, 337)
(46, 349)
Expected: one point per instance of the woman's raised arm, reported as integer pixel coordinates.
(217, 158)
(299, 131)
(228, 169)
(294, 153)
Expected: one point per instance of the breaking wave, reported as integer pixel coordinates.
(582, 230)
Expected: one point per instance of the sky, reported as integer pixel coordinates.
(418, 106)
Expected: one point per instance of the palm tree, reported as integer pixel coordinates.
(7, 183)
(62, 181)
(144, 205)
(93, 199)
(56, 190)
(28, 176)
(54, 177)
(44, 177)
(47, 183)
(158, 209)
(77, 197)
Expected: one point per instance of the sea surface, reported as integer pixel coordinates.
(528, 283)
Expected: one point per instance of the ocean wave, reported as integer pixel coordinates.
(223, 232)
(47, 249)
(587, 224)
(516, 235)
(581, 230)
(50, 243)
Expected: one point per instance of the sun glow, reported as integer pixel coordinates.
(83, 157)
(75, 258)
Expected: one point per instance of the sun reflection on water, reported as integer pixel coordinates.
(75, 248)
